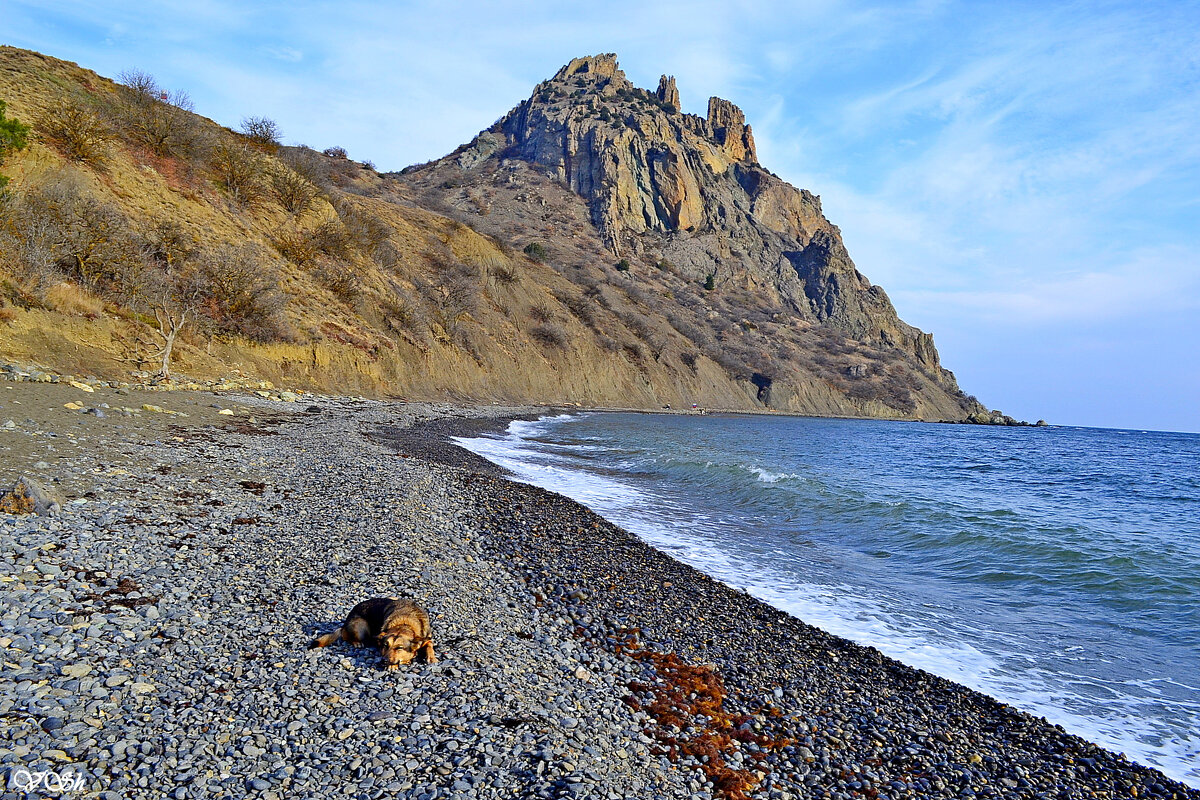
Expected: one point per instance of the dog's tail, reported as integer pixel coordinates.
(325, 640)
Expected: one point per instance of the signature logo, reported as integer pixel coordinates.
(24, 780)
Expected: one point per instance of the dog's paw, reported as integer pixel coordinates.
(356, 645)
(392, 667)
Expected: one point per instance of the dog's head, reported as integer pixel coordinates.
(399, 646)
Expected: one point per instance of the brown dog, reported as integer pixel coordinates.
(400, 628)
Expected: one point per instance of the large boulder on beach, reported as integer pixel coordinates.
(28, 496)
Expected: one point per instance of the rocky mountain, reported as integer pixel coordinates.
(596, 245)
(662, 187)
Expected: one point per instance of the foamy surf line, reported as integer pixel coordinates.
(835, 609)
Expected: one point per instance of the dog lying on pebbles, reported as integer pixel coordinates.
(400, 628)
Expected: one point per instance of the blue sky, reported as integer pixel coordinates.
(1023, 178)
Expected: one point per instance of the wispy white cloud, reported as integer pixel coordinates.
(290, 54)
(1155, 280)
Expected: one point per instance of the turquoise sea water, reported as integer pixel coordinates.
(1056, 569)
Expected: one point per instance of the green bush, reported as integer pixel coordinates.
(623, 265)
(536, 252)
(710, 282)
(14, 136)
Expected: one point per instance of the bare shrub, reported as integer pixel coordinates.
(688, 359)
(688, 329)
(307, 163)
(540, 312)
(263, 133)
(581, 308)
(302, 247)
(294, 192)
(639, 324)
(240, 292)
(168, 289)
(461, 296)
(338, 277)
(549, 335)
(239, 169)
(366, 231)
(168, 244)
(77, 133)
(861, 390)
(295, 245)
(331, 238)
(386, 255)
(505, 273)
(55, 231)
(456, 292)
(158, 119)
(404, 314)
(895, 392)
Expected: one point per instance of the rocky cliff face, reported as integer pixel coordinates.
(689, 189)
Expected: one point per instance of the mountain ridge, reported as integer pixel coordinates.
(640, 260)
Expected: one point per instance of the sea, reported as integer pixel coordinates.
(1056, 569)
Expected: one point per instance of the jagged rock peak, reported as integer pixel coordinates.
(730, 130)
(599, 66)
(640, 163)
(667, 92)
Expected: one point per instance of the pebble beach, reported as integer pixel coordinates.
(154, 631)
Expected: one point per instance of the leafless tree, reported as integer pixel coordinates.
(262, 132)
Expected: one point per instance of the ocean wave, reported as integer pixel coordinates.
(766, 476)
(1018, 574)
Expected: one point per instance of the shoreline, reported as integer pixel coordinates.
(449, 428)
(544, 688)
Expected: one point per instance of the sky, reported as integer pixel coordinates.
(1022, 178)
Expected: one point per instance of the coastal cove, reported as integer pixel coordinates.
(1054, 569)
(154, 630)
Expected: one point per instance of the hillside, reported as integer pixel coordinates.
(595, 246)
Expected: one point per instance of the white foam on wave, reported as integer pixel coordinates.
(1120, 725)
(766, 476)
